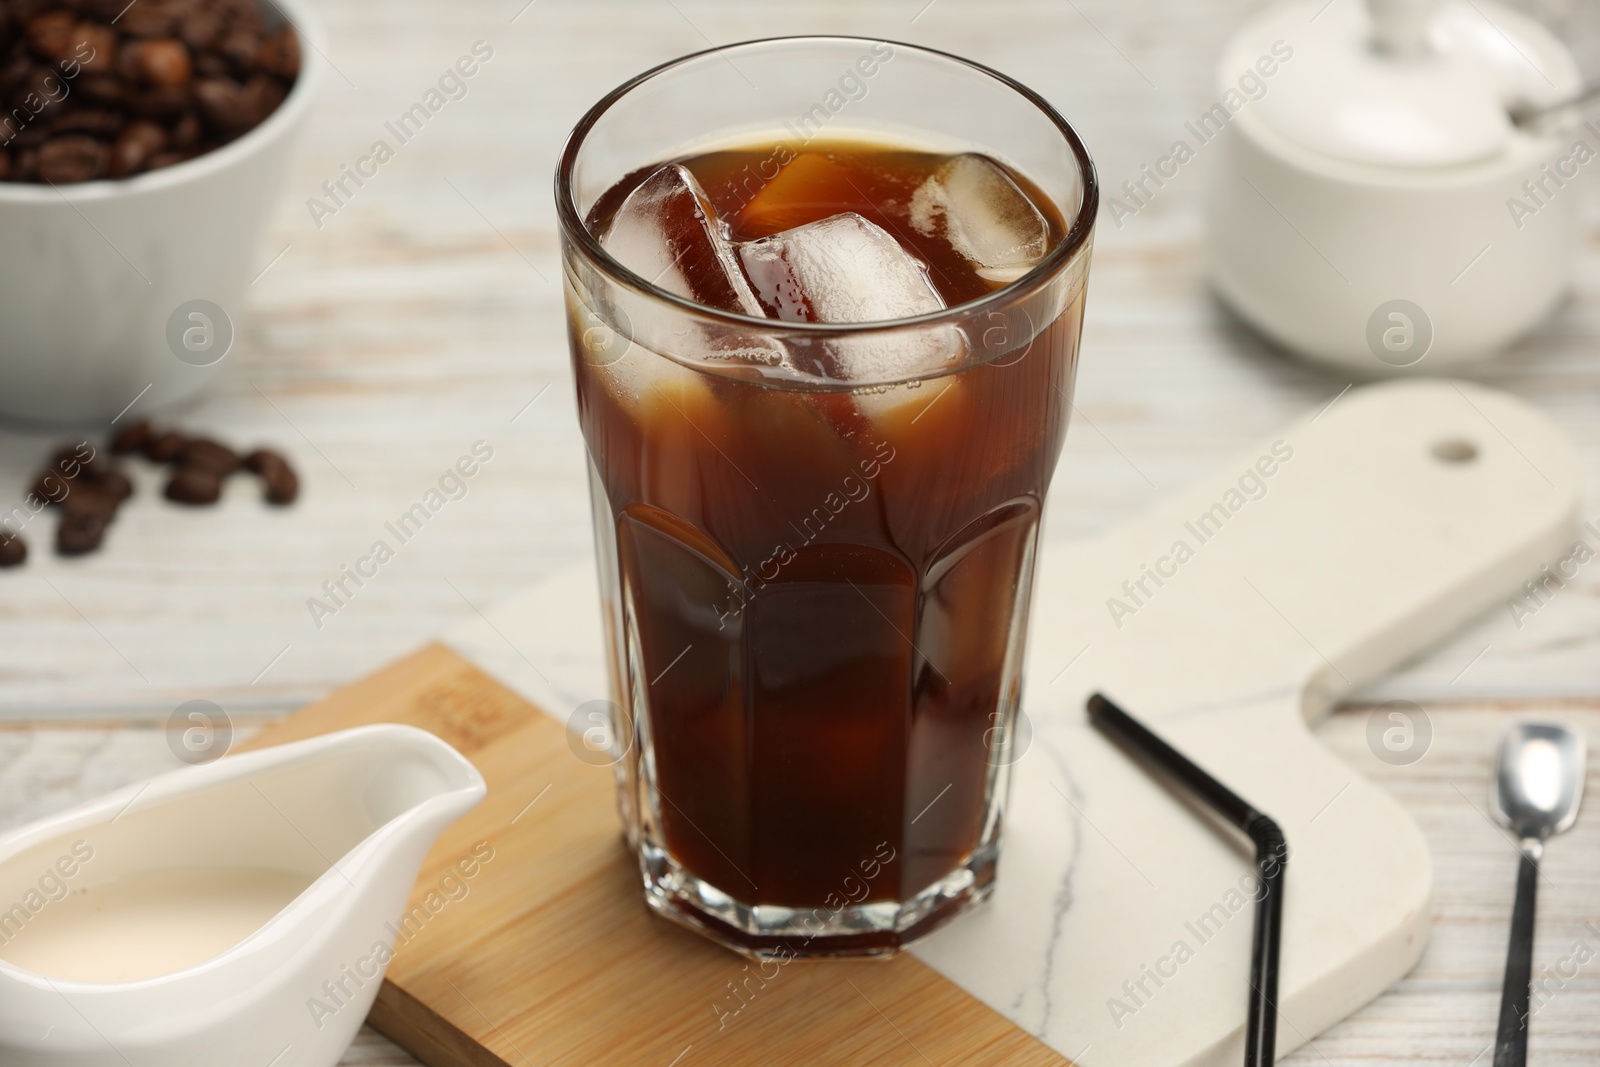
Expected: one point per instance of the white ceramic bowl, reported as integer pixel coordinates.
(1382, 270)
(91, 273)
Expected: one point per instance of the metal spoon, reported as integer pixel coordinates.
(1538, 784)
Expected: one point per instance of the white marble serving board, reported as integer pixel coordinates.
(1120, 927)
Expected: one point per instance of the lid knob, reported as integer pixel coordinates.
(1400, 27)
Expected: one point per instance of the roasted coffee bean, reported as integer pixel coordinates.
(164, 103)
(13, 549)
(104, 90)
(209, 455)
(127, 64)
(72, 461)
(134, 147)
(244, 14)
(241, 47)
(203, 71)
(163, 61)
(50, 486)
(75, 483)
(103, 10)
(223, 104)
(72, 157)
(97, 122)
(185, 133)
(93, 47)
(194, 485)
(147, 18)
(50, 33)
(167, 159)
(25, 166)
(81, 533)
(263, 458)
(164, 447)
(280, 54)
(283, 485)
(211, 65)
(87, 499)
(13, 69)
(87, 487)
(41, 87)
(24, 10)
(200, 29)
(112, 482)
(31, 138)
(131, 438)
(264, 94)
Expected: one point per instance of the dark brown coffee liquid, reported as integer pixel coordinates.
(821, 591)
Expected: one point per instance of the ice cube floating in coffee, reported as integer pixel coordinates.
(923, 232)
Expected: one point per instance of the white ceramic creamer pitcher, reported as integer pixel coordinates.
(238, 913)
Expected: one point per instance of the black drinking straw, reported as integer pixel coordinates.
(1272, 856)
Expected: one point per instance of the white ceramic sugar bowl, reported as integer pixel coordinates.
(1372, 204)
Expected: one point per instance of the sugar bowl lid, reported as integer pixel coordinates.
(1405, 83)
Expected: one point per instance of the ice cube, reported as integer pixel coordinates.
(667, 233)
(846, 269)
(984, 216)
(839, 269)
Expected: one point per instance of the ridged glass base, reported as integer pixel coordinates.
(767, 931)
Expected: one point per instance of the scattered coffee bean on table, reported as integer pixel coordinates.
(80, 533)
(105, 89)
(13, 550)
(130, 439)
(113, 483)
(87, 488)
(164, 447)
(194, 485)
(89, 500)
(207, 454)
(76, 473)
(282, 483)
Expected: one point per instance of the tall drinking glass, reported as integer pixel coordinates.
(816, 584)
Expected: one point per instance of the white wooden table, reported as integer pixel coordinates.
(425, 316)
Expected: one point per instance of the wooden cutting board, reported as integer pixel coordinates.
(548, 955)
(1317, 560)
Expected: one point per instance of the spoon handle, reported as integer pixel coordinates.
(1511, 1041)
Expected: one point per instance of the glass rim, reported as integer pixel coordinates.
(1057, 259)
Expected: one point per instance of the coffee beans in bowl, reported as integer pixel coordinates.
(13, 550)
(104, 89)
(165, 131)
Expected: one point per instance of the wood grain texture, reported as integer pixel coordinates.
(381, 345)
(1442, 1013)
(550, 955)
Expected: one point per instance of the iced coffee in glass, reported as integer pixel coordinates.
(824, 297)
